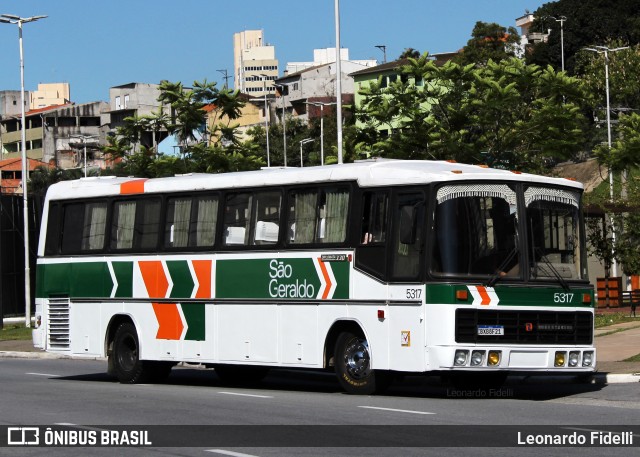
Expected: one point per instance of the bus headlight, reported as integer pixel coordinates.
(587, 358)
(574, 358)
(494, 358)
(560, 359)
(460, 358)
(477, 357)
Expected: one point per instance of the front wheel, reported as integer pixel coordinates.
(353, 366)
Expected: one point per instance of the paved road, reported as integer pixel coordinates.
(50, 392)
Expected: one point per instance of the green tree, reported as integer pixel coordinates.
(589, 22)
(42, 177)
(505, 113)
(625, 151)
(409, 52)
(489, 41)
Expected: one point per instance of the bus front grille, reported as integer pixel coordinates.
(58, 324)
(524, 327)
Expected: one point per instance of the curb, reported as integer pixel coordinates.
(42, 355)
(31, 355)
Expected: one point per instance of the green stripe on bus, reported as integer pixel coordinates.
(280, 278)
(194, 314)
(90, 279)
(513, 295)
(124, 276)
(182, 280)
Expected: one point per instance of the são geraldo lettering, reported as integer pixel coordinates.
(282, 286)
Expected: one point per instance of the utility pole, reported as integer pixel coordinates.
(226, 78)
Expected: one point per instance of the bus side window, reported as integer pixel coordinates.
(122, 225)
(72, 222)
(409, 236)
(203, 226)
(332, 227)
(302, 216)
(236, 219)
(148, 224)
(52, 244)
(374, 217)
(318, 216)
(267, 217)
(176, 232)
(94, 228)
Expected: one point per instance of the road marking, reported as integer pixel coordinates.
(234, 454)
(395, 410)
(245, 395)
(45, 374)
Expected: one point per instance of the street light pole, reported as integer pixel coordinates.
(266, 116)
(605, 50)
(12, 19)
(303, 142)
(561, 20)
(321, 105)
(383, 48)
(338, 80)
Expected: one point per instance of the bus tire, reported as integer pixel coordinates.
(353, 366)
(127, 366)
(241, 374)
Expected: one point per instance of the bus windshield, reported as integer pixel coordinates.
(476, 231)
(553, 222)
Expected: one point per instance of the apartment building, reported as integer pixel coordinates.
(49, 94)
(254, 63)
(53, 133)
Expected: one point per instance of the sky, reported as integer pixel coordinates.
(94, 45)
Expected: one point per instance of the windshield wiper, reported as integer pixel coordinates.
(499, 273)
(553, 269)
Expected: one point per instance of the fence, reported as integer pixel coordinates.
(12, 252)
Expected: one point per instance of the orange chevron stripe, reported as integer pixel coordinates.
(203, 273)
(170, 324)
(132, 187)
(327, 278)
(154, 278)
(486, 299)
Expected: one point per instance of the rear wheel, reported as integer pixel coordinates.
(353, 366)
(127, 366)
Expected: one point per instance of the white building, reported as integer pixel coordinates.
(325, 56)
(254, 63)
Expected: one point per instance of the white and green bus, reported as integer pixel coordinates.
(370, 269)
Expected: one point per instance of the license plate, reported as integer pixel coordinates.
(490, 329)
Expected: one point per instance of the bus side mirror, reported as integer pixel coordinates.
(408, 224)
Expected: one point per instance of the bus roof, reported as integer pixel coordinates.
(367, 173)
